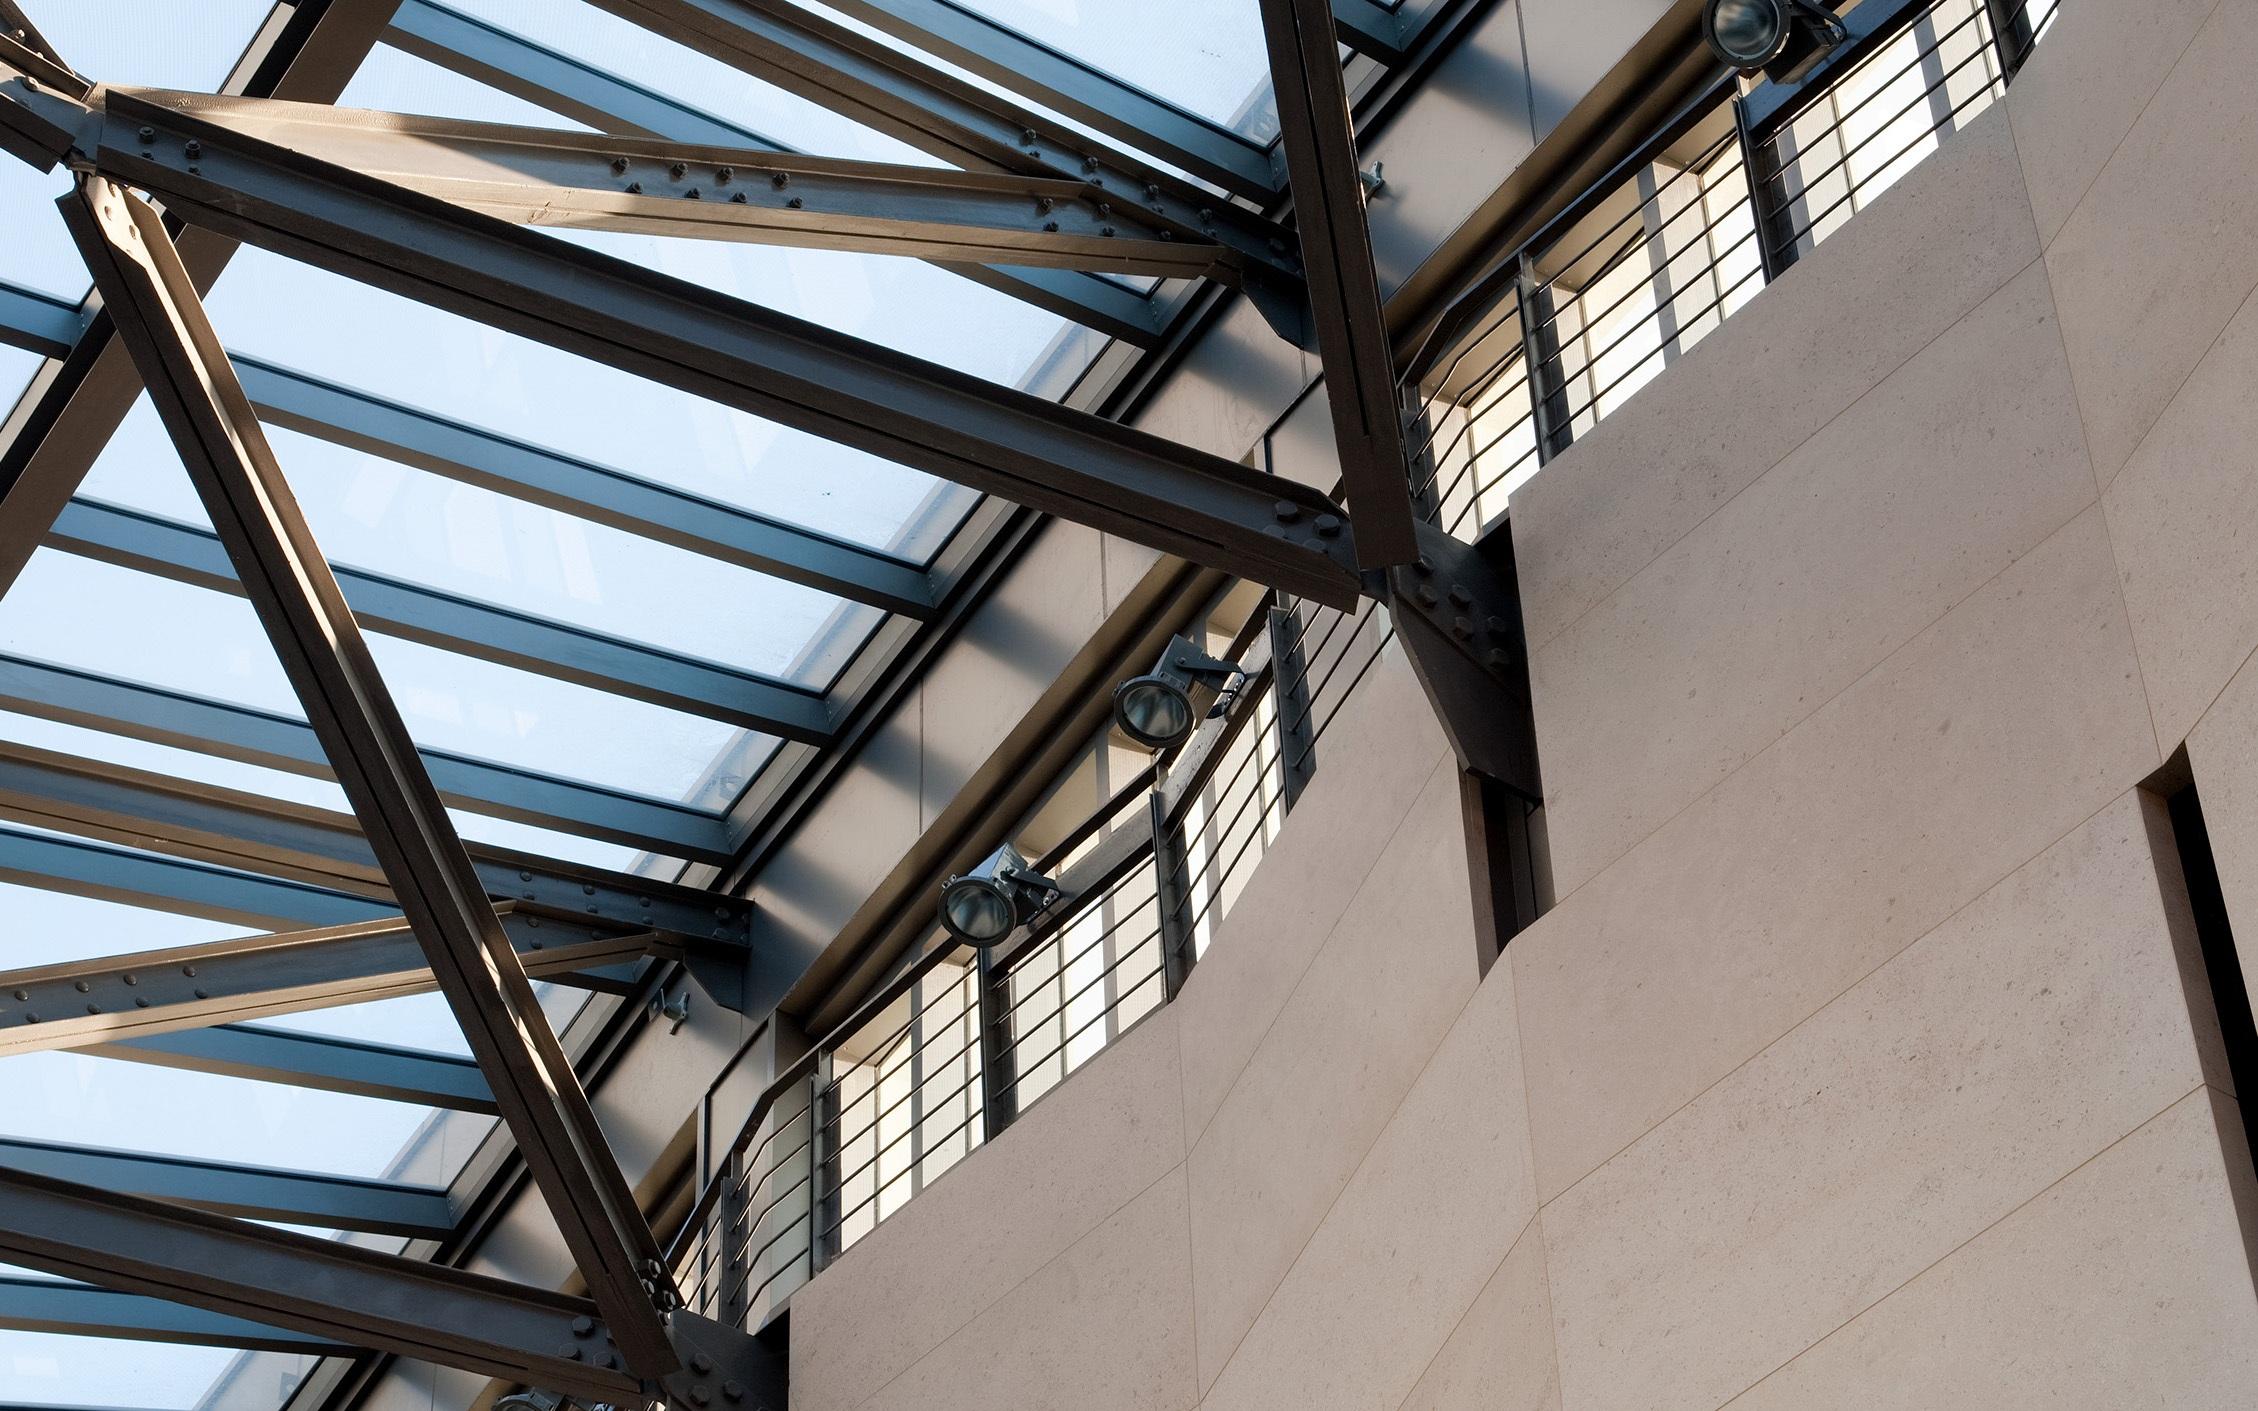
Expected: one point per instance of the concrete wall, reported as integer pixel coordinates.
(1865, 1059)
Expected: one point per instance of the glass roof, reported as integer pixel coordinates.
(441, 539)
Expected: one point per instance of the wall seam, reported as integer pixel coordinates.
(1071, 1245)
(1191, 1138)
(1442, 1037)
(1836, 998)
(2019, 1207)
(1429, 1366)
(1800, 721)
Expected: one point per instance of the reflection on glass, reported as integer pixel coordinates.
(50, 1369)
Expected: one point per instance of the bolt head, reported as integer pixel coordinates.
(1287, 511)
(677, 171)
(733, 1391)
(1498, 626)
(724, 176)
(570, 1353)
(635, 188)
(779, 179)
(82, 987)
(700, 1395)
(1328, 526)
(1462, 626)
(796, 203)
(1459, 596)
(147, 134)
(189, 971)
(1428, 595)
(1497, 658)
(700, 1363)
(583, 1326)
(619, 166)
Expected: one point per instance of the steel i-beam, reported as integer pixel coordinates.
(962, 428)
(161, 318)
(1319, 136)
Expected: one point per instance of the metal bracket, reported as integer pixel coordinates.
(1458, 613)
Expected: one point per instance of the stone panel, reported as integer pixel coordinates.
(1500, 1356)
(2183, 515)
(1332, 1069)
(2126, 1284)
(1961, 757)
(2223, 752)
(1415, 1235)
(2084, 87)
(1937, 244)
(1979, 1066)
(988, 1223)
(1103, 1327)
(2164, 247)
(1372, 764)
(1961, 461)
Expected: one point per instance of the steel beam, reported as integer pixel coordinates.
(1372, 29)
(80, 1310)
(966, 125)
(168, 884)
(651, 186)
(28, 319)
(313, 1061)
(608, 103)
(235, 829)
(51, 438)
(1064, 84)
(588, 491)
(1319, 137)
(255, 1193)
(169, 549)
(117, 998)
(279, 742)
(336, 1293)
(947, 423)
(161, 319)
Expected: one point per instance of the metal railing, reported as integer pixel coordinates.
(961, 1042)
(1654, 258)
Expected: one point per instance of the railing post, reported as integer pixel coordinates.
(1172, 894)
(827, 1219)
(2012, 34)
(1767, 197)
(1289, 686)
(999, 1060)
(1540, 353)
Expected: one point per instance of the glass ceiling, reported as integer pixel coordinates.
(118, 618)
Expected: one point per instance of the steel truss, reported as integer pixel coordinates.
(428, 209)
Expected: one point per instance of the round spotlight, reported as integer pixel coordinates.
(1748, 34)
(1153, 711)
(978, 911)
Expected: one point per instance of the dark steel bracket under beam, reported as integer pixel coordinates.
(1319, 137)
(160, 317)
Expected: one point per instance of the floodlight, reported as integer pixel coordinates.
(981, 907)
(1160, 708)
(1781, 38)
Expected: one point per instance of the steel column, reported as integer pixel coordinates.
(1540, 354)
(1295, 731)
(337, 1293)
(1052, 458)
(149, 292)
(1319, 136)
(1172, 895)
(999, 1056)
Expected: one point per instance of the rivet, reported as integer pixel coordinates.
(619, 166)
(570, 1353)
(82, 987)
(678, 171)
(1275, 531)
(1423, 565)
(796, 203)
(1207, 217)
(133, 979)
(692, 193)
(30, 1018)
(648, 922)
(724, 176)
(642, 901)
(739, 198)
(533, 921)
(94, 1009)
(721, 913)
(779, 179)
(588, 889)
(1027, 137)
(1044, 204)
(1286, 511)
(525, 876)
(189, 971)
(22, 995)
(202, 993)
(193, 150)
(1428, 595)
(1168, 235)
(1106, 230)
(635, 188)
(141, 1002)
(583, 1326)
(1152, 190)
(1089, 164)
(609, 1359)
(1328, 526)
(1050, 225)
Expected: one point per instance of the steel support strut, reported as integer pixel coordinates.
(162, 321)
(960, 427)
(1319, 136)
